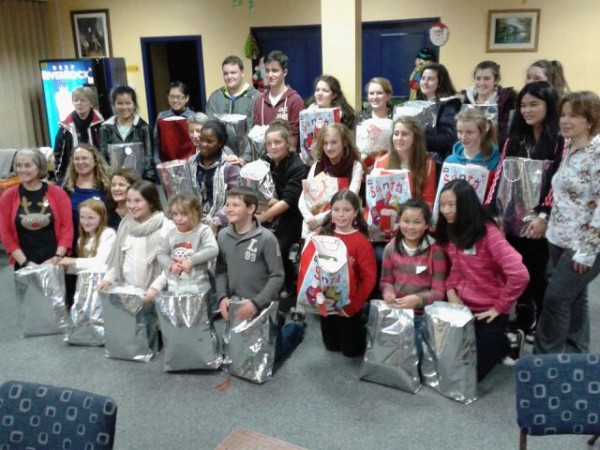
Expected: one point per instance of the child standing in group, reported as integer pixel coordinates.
(96, 239)
(476, 140)
(249, 266)
(414, 265)
(346, 331)
(487, 275)
(186, 250)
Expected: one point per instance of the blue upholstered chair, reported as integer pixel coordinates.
(40, 417)
(558, 394)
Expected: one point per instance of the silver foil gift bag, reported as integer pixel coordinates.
(190, 342)
(237, 131)
(175, 177)
(41, 299)
(424, 111)
(391, 355)
(256, 138)
(449, 362)
(127, 156)
(519, 191)
(130, 324)
(249, 345)
(86, 322)
(257, 176)
(489, 111)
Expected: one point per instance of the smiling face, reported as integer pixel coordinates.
(572, 125)
(342, 215)
(118, 189)
(323, 95)
(377, 97)
(535, 73)
(237, 212)
(177, 99)
(84, 161)
(26, 169)
(448, 206)
(194, 130)
(485, 82)
(429, 83)
(469, 135)
(209, 144)
(233, 77)
(82, 105)
(333, 146)
(413, 226)
(403, 140)
(275, 74)
(277, 146)
(137, 206)
(533, 110)
(89, 220)
(124, 107)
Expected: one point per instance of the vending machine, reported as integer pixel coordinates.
(61, 76)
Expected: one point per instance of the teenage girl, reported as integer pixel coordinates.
(414, 266)
(551, 72)
(328, 94)
(476, 140)
(337, 156)
(345, 331)
(186, 250)
(379, 94)
(486, 273)
(134, 260)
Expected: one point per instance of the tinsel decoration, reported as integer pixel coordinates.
(237, 3)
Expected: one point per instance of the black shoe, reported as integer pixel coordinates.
(298, 317)
(517, 340)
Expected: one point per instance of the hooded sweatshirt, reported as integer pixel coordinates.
(288, 108)
(458, 157)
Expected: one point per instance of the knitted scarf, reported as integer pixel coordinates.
(343, 169)
(82, 125)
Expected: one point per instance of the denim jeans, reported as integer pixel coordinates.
(565, 324)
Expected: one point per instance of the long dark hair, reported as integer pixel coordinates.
(361, 225)
(338, 98)
(470, 220)
(520, 131)
(445, 86)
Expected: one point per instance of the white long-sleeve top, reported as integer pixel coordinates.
(98, 263)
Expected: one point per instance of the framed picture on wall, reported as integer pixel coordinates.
(91, 33)
(513, 30)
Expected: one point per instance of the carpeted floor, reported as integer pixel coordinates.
(315, 400)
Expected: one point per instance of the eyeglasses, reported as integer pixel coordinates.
(176, 97)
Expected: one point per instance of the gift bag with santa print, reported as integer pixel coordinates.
(312, 121)
(324, 277)
(373, 139)
(319, 190)
(476, 176)
(386, 190)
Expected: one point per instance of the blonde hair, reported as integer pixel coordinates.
(188, 204)
(346, 136)
(99, 208)
(101, 178)
(383, 82)
(485, 127)
(86, 92)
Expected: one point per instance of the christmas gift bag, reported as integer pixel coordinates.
(476, 176)
(129, 156)
(424, 111)
(373, 138)
(189, 338)
(391, 355)
(130, 324)
(256, 137)
(86, 321)
(175, 177)
(237, 131)
(175, 142)
(489, 111)
(40, 293)
(519, 191)
(324, 282)
(312, 121)
(249, 345)
(449, 351)
(319, 190)
(257, 176)
(386, 190)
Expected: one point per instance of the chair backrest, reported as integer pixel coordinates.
(41, 416)
(558, 394)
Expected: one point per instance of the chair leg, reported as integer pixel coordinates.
(523, 441)
(593, 439)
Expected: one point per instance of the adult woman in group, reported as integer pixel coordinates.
(328, 94)
(81, 126)
(167, 146)
(212, 173)
(379, 93)
(534, 134)
(551, 72)
(436, 86)
(116, 200)
(487, 91)
(127, 127)
(573, 230)
(35, 224)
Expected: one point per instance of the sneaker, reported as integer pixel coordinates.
(298, 316)
(530, 337)
(517, 340)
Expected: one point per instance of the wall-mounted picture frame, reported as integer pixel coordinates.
(513, 30)
(91, 33)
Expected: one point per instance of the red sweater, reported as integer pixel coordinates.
(363, 269)
(288, 108)
(60, 205)
(493, 276)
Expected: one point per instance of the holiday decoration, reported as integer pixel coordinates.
(438, 34)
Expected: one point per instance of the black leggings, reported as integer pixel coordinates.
(345, 334)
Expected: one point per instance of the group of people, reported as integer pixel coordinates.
(115, 221)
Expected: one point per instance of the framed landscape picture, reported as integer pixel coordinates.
(513, 30)
(91, 33)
